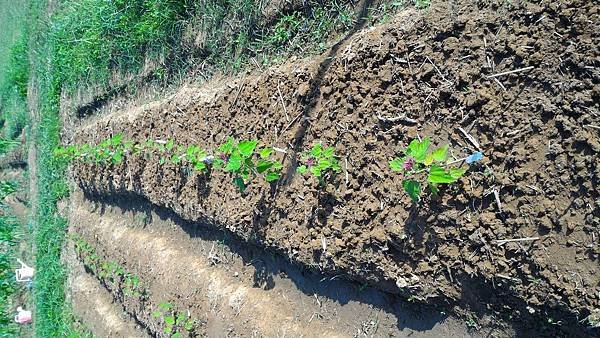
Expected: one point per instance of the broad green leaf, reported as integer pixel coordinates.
(190, 151)
(227, 147)
(277, 165)
(246, 148)
(335, 166)
(239, 182)
(170, 144)
(324, 164)
(328, 152)
(397, 164)
(117, 156)
(457, 173)
(234, 164)
(418, 150)
(265, 153)
(104, 144)
(165, 306)
(170, 320)
(262, 166)
(176, 335)
(428, 159)
(218, 163)
(438, 155)
(116, 140)
(434, 188)
(272, 176)
(162, 160)
(316, 150)
(438, 174)
(189, 325)
(245, 174)
(301, 169)
(200, 166)
(156, 314)
(316, 171)
(413, 189)
(175, 159)
(168, 329)
(181, 318)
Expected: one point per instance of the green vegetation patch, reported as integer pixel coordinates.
(93, 40)
(14, 70)
(8, 286)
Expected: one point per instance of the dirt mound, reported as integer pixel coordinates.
(518, 236)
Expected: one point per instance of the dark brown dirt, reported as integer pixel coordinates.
(537, 129)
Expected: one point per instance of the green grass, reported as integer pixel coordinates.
(53, 317)
(92, 40)
(8, 285)
(14, 69)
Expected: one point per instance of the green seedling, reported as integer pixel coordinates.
(174, 322)
(319, 162)
(107, 151)
(422, 4)
(107, 270)
(192, 155)
(245, 161)
(132, 285)
(421, 167)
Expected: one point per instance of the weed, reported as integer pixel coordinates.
(6, 145)
(7, 188)
(422, 4)
(421, 167)
(285, 29)
(320, 162)
(472, 323)
(141, 218)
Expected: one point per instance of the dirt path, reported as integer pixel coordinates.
(237, 290)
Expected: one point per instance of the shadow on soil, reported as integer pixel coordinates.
(269, 266)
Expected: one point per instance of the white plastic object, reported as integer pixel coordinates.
(25, 273)
(23, 316)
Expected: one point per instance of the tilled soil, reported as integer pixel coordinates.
(233, 290)
(436, 73)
